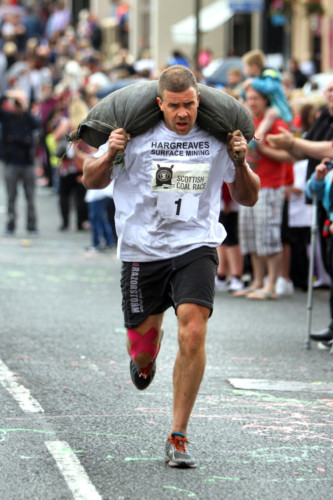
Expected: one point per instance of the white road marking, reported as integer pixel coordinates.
(20, 393)
(280, 385)
(73, 472)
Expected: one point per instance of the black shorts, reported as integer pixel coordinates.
(230, 223)
(150, 288)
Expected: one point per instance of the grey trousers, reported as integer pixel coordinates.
(15, 174)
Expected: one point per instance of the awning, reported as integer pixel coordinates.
(210, 17)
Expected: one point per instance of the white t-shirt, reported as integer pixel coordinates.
(99, 194)
(299, 212)
(167, 195)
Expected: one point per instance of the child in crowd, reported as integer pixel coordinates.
(97, 200)
(268, 82)
(299, 223)
(231, 261)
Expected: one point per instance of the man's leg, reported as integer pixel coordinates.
(235, 259)
(273, 268)
(143, 345)
(64, 194)
(190, 362)
(258, 269)
(29, 184)
(187, 376)
(142, 359)
(94, 216)
(222, 273)
(11, 175)
(273, 263)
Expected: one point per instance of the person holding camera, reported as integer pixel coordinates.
(70, 166)
(320, 185)
(19, 127)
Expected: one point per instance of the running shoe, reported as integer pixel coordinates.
(142, 377)
(176, 454)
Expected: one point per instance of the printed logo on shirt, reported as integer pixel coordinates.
(163, 175)
(179, 177)
(186, 148)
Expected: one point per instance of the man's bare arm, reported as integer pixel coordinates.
(280, 155)
(245, 188)
(300, 148)
(96, 171)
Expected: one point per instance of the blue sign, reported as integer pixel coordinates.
(246, 5)
(279, 20)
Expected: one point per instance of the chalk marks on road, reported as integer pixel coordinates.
(20, 394)
(4, 432)
(49, 278)
(273, 416)
(272, 410)
(188, 493)
(73, 472)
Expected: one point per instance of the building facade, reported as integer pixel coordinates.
(227, 27)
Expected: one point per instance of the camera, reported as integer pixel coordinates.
(329, 164)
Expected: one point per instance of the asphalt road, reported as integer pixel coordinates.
(73, 426)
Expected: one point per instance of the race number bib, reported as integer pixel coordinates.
(178, 186)
(178, 207)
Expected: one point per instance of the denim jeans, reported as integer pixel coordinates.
(100, 225)
(25, 174)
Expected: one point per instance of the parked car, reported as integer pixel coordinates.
(216, 73)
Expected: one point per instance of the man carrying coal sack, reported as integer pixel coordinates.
(167, 197)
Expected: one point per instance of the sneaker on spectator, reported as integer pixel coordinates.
(94, 249)
(235, 284)
(221, 285)
(326, 345)
(284, 287)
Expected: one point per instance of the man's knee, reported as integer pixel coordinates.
(192, 338)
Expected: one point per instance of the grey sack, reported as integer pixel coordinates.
(135, 109)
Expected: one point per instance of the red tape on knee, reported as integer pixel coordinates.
(143, 342)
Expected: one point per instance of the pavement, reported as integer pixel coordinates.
(73, 426)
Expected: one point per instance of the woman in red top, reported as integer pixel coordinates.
(260, 226)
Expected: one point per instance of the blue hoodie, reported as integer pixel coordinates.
(322, 189)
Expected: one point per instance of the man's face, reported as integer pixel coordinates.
(256, 102)
(329, 96)
(180, 110)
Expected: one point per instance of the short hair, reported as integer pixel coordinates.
(255, 56)
(176, 78)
